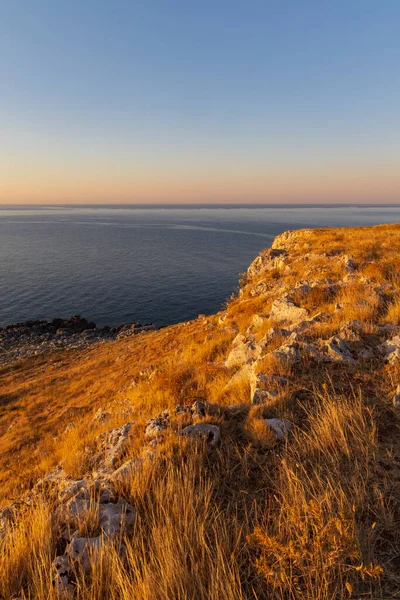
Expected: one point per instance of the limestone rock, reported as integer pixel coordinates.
(116, 518)
(101, 415)
(268, 260)
(157, 425)
(127, 471)
(280, 426)
(83, 551)
(112, 445)
(288, 353)
(198, 409)
(259, 320)
(337, 350)
(244, 350)
(391, 350)
(285, 311)
(211, 433)
(62, 577)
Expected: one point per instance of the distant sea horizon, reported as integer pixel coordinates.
(159, 263)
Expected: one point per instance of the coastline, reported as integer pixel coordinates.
(37, 337)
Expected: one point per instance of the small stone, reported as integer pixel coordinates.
(211, 433)
(280, 427)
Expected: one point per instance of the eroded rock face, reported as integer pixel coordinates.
(267, 261)
(211, 433)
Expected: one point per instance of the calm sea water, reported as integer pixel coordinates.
(134, 264)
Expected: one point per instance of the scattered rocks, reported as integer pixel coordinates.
(101, 415)
(262, 396)
(30, 338)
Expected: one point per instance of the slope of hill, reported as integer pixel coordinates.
(249, 454)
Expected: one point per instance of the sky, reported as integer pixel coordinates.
(177, 101)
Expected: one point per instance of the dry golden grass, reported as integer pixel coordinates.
(314, 517)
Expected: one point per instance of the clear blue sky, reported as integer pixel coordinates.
(199, 101)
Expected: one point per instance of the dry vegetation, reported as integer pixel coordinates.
(314, 517)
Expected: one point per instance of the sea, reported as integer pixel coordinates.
(139, 264)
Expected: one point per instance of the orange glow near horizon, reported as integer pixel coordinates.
(341, 185)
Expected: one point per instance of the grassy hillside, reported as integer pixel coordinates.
(310, 340)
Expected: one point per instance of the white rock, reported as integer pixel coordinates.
(211, 433)
(126, 471)
(244, 350)
(268, 260)
(112, 445)
(280, 427)
(285, 311)
(157, 425)
(115, 519)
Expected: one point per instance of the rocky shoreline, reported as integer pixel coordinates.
(31, 338)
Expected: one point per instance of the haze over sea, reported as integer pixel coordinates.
(161, 264)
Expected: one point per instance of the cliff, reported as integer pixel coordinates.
(249, 454)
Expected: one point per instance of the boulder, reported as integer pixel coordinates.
(206, 431)
(62, 577)
(259, 320)
(288, 353)
(259, 381)
(198, 409)
(83, 551)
